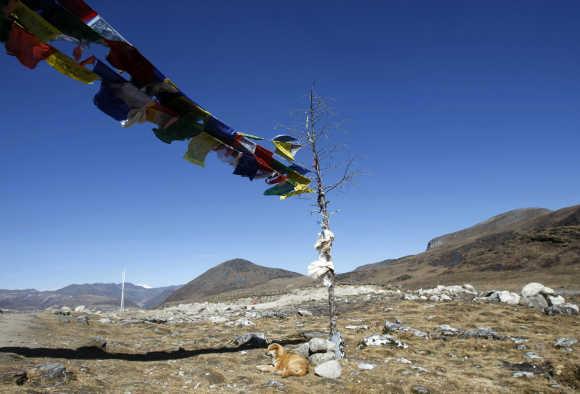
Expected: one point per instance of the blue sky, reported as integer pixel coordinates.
(457, 111)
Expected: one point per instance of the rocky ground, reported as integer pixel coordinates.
(443, 340)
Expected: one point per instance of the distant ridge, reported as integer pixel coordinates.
(230, 275)
(509, 249)
(100, 295)
(506, 221)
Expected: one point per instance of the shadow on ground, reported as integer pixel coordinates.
(96, 353)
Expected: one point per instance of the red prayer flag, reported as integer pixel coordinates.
(26, 47)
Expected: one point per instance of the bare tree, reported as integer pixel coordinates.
(332, 171)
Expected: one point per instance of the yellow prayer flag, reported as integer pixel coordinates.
(199, 147)
(67, 66)
(34, 23)
(298, 189)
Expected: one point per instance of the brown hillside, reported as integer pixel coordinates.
(545, 248)
(233, 276)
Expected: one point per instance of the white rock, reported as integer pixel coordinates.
(535, 288)
(557, 300)
(507, 297)
(444, 297)
(537, 301)
(365, 366)
(319, 358)
(318, 345)
(330, 369)
(80, 308)
(470, 288)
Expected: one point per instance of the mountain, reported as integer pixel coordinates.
(101, 295)
(510, 249)
(234, 275)
(510, 220)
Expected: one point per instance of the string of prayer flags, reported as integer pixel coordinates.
(286, 146)
(146, 95)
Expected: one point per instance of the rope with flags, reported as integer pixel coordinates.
(132, 90)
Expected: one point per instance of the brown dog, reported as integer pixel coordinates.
(284, 363)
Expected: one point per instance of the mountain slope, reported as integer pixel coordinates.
(506, 221)
(237, 274)
(543, 247)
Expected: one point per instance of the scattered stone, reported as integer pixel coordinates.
(241, 323)
(403, 360)
(274, 384)
(54, 373)
(330, 369)
(382, 340)
(104, 320)
(319, 358)
(523, 374)
(417, 389)
(562, 309)
(254, 339)
(398, 327)
(527, 367)
(518, 340)
(533, 356)
(565, 342)
(365, 366)
(419, 369)
(80, 309)
(84, 319)
(318, 345)
(361, 327)
(303, 312)
(484, 333)
(448, 331)
(409, 297)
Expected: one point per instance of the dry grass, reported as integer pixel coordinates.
(453, 366)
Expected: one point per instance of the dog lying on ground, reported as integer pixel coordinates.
(285, 363)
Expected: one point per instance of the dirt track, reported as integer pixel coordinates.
(17, 329)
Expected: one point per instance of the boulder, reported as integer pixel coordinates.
(563, 309)
(303, 349)
(80, 309)
(535, 301)
(565, 342)
(398, 327)
(534, 288)
(507, 297)
(330, 369)
(382, 340)
(448, 331)
(556, 300)
(320, 345)
(253, 339)
(319, 358)
(303, 312)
